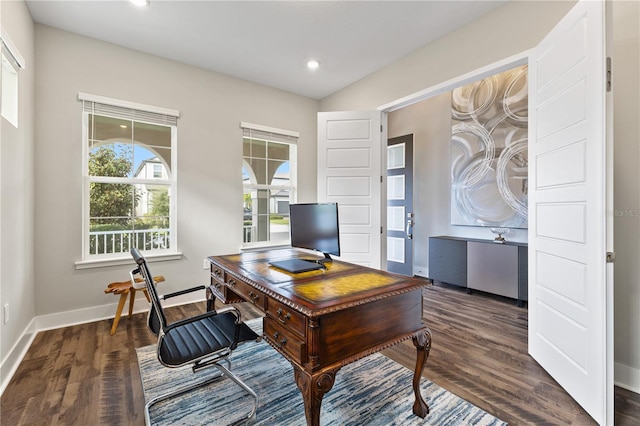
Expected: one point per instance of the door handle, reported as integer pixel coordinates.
(409, 228)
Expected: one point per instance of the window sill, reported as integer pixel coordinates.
(125, 260)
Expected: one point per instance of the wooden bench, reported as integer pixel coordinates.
(123, 288)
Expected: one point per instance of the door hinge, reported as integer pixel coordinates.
(381, 128)
(608, 74)
(380, 178)
(611, 257)
(381, 229)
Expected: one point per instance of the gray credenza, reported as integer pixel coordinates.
(475, 264)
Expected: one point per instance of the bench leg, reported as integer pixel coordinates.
(116, 319)
(132, 299)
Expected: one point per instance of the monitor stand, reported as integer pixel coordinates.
(327, 259)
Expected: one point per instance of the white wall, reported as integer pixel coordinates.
(503, 32)
(209, 157)
(16, 199)
(509, 30)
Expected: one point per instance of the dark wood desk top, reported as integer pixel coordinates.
(314, 293)
(322, 320)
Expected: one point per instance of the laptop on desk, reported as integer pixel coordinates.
(296, 265)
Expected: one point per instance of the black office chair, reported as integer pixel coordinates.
(203, 340)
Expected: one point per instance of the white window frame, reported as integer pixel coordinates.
(138, 113)
(273, 134)
(12, 63)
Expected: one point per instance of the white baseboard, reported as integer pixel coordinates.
(14, 357)
(66, 319)
(627, 377)
(421, 271)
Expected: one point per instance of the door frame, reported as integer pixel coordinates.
(513, 61)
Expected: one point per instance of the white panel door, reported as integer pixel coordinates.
(349, 171)
(570, 306)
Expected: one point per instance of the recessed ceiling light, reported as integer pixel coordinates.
(313, 64)
(140, 3)
(124, 126)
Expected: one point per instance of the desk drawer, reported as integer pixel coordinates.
(224, 293)
(285, 341)
(217, 273)
(247, 292)
(287, 317)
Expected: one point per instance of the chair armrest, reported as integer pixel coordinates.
(207, 314)
(136, 282)
(181, 292)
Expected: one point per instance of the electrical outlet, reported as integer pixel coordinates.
(6, 313)
(205, 263)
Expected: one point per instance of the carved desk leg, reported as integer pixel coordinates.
(313, 388)
(422, 342)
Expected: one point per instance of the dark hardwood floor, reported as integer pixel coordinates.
(81, 375)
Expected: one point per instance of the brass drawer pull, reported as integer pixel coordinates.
(281, 318)
(254, 297)
(217, 273)
(231, 283)
(281, 343)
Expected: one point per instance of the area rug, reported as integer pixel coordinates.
(372, 391)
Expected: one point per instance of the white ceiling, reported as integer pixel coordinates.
(269, 42)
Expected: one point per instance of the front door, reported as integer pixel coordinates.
(570, 288)
(400, 218)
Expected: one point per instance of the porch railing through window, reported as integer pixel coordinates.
(108, 242)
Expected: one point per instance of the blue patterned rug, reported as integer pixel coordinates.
(364, 393)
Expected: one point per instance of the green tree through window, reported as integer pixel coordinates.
(114, 201)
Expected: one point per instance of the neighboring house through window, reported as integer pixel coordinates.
(269, 183)
(130, 178)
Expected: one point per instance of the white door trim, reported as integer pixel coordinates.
(518, 59)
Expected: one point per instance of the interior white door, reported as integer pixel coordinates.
(349, 173)
(569, 299)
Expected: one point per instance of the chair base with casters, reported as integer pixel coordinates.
(203, 341)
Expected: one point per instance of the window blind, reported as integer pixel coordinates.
(128, 110)
(272, 134)
(10, 51)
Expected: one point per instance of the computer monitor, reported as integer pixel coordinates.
(314, 226)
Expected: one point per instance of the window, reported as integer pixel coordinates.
(130, 178)
(269, 183)
(12, 61)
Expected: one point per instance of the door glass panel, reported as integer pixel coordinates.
(395, 156)
(395, 187)
(395, 249)
(395, 218)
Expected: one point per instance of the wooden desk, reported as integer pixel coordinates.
(323, 320)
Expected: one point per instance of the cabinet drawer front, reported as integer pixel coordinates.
(249, 293)
(286, 316)
(284, 340)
